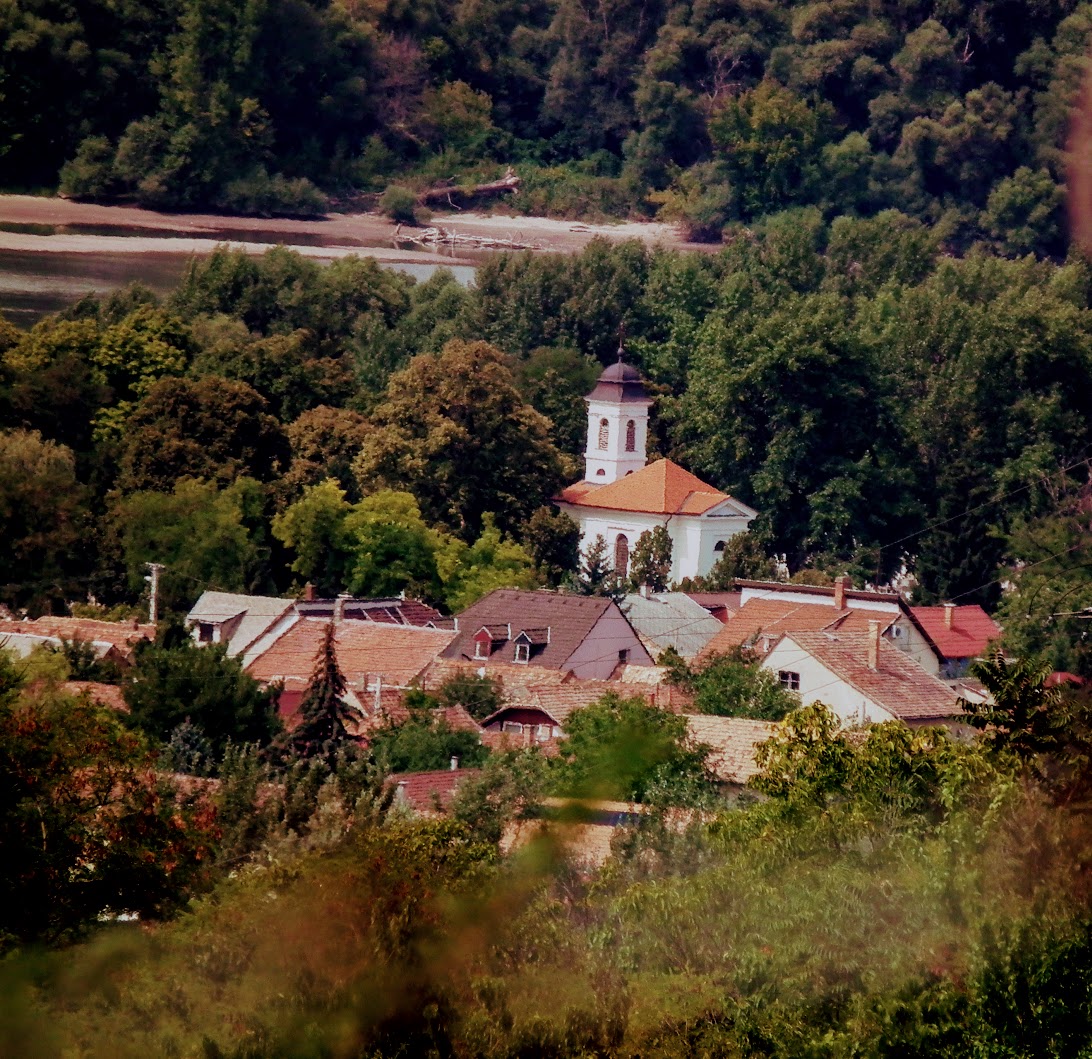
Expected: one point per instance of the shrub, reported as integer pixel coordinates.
(90, 174)
(399, 204)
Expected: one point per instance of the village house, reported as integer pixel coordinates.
(961, 634)
(670, 619)
(769, 609)
(623, 496)
(378, 660)
(430, 793)
(732, 742)
(862, 678)
(587, 636)
(249, 623)
(110, 641)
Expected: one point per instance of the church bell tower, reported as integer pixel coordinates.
(617, 424)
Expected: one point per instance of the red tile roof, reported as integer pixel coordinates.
(423, 790)
(772, 617)
(122, 634)
(660, 488)
(733, 741)
(108, 695)
(365, 650)
(898, 684)
(971, 632)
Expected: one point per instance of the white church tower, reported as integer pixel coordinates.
(617, 424)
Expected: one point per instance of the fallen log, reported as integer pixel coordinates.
(447, 194)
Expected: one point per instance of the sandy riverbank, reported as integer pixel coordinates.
(347, 233)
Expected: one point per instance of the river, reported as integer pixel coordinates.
(44, 268)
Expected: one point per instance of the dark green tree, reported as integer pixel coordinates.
(323, 715)
(174, 680)
(650, 563)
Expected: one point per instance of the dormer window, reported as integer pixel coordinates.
(481, 648)
(631, 436)
(523, 653)
(604, 433)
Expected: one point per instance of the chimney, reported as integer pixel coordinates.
(949, 611)
(308, 592)
(339, 605)
(840, 584)
(454, 764)
(873, 645)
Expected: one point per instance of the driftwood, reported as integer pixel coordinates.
(447, 194)
(446, 237)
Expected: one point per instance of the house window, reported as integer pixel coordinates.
(512, 727)
(204, 632)
(631, 436)
(542, 732)
(623, 656)
(789, 681)
(481, 648)
(523, 652)
(604, 433)
(719, 547)
(621, 555)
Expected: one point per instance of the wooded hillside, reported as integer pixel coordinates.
(706, 112)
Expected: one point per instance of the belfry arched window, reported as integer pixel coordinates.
(621, 555)
(604, 433)
(631, 436)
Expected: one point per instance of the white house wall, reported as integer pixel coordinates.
(819, 684)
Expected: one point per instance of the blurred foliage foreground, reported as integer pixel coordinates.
(889, 892)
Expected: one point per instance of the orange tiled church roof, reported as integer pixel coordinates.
(661, 488)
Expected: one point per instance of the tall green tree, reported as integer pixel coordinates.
(454, 431)
(324, 713)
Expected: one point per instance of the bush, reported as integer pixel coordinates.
(90, 174)
(262, 195)
(399, 204)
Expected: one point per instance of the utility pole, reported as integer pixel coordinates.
(153, 602)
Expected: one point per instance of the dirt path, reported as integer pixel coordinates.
(345, 233)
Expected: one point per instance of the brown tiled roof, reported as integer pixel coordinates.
(122, 634)
(898, 684)
(108, 695)
(569, 618)
(395, 653)
(772, 617)
(860, 594)
(972, 630)
(515, 679)
(660, 488)
(718, 603)
(733, 741)
(422, 790)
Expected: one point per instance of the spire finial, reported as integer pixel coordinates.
(621, 342)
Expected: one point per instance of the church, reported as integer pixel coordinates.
(623, 495)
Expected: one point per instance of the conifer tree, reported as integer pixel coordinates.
(323, 711)
(595, 576)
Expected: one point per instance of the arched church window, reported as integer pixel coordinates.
(604, 433)
(718, 547)
(631, 436)
(621, 555)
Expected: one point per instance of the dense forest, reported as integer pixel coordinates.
(711, 113)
